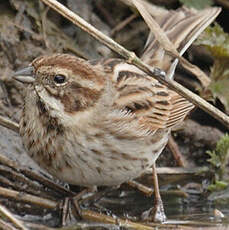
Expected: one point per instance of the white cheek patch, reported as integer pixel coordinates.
(56, 109)
(55, 105)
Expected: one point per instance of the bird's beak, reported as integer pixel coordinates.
(25, 75)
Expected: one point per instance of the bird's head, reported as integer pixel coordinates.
(63, 82)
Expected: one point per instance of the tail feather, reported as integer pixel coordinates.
(182, 27)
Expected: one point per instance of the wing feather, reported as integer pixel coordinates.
(153, 104)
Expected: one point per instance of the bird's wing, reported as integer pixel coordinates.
(152, 103)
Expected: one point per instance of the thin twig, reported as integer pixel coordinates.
(6, 226)
(132, 58)
(181, 161)
(10, 216)
(7, 162)
(122, 24)
(97, 217)
(76, 226)
(9, 124)
(44, 26)
(89, 29)
(27, 198)
(47, 182)
(175, 193)
(108, 18)
(167, 45)
(44, 227)
(35, 176)
(14, 175)
(178, 170)
(224, 3)
(142, 188)
(157, 10)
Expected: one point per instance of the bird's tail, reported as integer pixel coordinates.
(182, 27)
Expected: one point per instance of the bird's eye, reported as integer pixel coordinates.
(59, 79)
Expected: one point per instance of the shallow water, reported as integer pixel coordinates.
(195, 211)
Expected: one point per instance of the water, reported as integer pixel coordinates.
(194, 211)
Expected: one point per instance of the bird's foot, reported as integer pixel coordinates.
(155, 214)
(70, 206)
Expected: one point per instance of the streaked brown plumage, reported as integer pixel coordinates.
(105, 122)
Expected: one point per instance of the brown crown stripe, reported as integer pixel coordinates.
(76, 65)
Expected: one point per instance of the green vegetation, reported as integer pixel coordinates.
(217, 42)
(201, 4)
(219, 159)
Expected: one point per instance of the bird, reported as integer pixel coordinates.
(105, 122)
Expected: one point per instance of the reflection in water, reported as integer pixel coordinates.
(193, 210)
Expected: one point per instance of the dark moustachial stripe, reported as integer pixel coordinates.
(50, 123)
(41, 107)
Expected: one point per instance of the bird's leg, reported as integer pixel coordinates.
(156, 213)
(66, 205)
(85, 197)
(66, 211)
